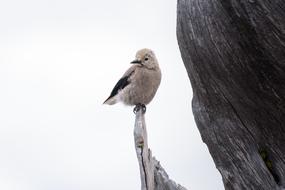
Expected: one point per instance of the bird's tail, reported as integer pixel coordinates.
(111, 100)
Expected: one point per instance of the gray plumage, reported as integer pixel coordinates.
(139, 83)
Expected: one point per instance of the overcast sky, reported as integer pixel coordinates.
(59, 60)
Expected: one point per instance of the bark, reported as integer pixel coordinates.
(153, 176)
(234, 53)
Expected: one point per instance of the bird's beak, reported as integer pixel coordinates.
(136, 62)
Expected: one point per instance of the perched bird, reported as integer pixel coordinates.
(139, 83)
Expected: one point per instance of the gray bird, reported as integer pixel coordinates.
(139, 83)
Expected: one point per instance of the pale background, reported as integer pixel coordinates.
(59, 60)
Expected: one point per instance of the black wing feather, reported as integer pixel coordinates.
(121, 84)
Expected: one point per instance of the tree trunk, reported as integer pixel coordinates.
(234, 53)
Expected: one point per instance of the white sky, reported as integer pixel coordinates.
(59, 61)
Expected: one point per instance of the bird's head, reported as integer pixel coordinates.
(146, 58)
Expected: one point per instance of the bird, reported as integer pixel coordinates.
(139, 84)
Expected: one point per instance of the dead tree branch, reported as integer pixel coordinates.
(153, 176)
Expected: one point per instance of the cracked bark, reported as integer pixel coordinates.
(234, 53)
(153, 176)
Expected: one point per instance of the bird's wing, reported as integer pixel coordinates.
(122, 83)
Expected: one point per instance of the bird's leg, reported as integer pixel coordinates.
(138, 107)
(143, 108)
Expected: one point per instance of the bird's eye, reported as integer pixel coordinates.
(146, 59)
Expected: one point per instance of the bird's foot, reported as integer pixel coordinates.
(138, 107)
(143, 108)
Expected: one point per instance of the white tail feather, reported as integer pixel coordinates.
(111, 101)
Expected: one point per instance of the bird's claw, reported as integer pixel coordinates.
(143, 108)
(138, 107)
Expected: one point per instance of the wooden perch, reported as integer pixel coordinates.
(153, 176)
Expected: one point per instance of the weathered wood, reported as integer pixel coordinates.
(153, 176)
(234, 53)
(143, 153)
